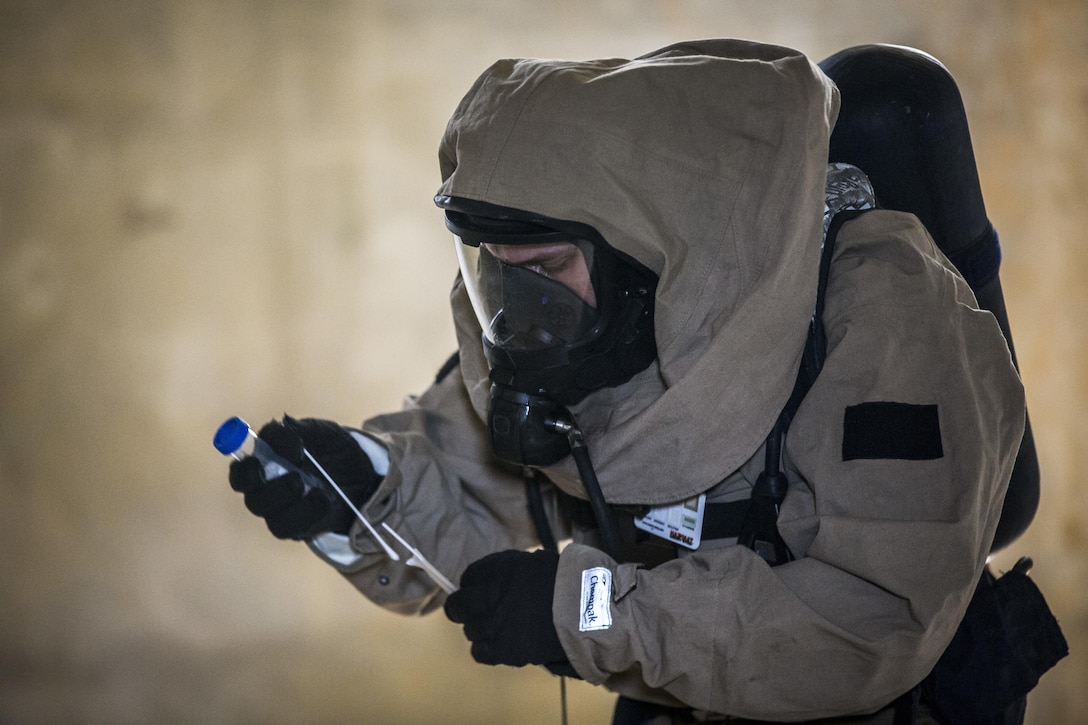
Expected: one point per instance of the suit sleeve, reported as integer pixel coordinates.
(444, 492)
(899, 458)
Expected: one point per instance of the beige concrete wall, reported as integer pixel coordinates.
(219, 208)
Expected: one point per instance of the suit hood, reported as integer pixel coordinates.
(706, 162)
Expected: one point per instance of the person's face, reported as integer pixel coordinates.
(559, 261)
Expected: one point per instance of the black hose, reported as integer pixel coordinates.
(606, 521)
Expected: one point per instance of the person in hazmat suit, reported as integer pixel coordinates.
(640, 250)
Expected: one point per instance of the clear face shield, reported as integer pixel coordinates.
(532, 297)
(562, 316)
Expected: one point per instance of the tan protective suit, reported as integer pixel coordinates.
(707, 163)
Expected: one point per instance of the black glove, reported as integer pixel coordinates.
(505, 603)
(290, 511)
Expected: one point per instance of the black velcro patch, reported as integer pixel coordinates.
(891, 430)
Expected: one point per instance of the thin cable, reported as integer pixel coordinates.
(563, 697)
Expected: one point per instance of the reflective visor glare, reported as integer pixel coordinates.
(531, 296)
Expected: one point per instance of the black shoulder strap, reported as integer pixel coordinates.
(759, 529)
(812, 360)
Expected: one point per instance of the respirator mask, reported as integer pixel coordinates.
(563, 314)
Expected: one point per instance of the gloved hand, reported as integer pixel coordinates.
(505, 603)
(288, 509)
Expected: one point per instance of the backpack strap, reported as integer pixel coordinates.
(759, 527)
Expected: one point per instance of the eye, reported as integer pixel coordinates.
(555, 266)
(560, 263)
